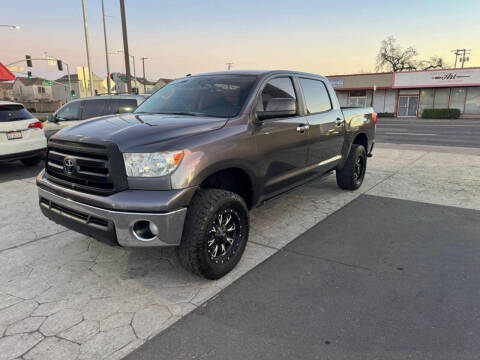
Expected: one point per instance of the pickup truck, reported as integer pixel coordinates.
(185, 168)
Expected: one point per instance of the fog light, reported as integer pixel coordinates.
(145, 230)
(153, 228)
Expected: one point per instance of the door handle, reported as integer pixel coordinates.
(302, 128)
(339, 121)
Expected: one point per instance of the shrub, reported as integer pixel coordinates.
(385, 114)
(441, 113)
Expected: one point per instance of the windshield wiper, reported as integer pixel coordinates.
(183, 113)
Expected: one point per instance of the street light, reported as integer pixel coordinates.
(16, 27)
(87, 45)
(106, 48)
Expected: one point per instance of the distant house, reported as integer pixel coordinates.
(120, 80)
(36, 89)
(162, 82)
(61, 87)
(145, 86)
(6, 91)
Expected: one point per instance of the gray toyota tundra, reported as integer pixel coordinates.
(185, 168)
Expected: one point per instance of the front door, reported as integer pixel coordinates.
(282, 143)
(407, 105)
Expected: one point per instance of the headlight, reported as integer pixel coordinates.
(152, 164)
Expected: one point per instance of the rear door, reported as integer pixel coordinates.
(94, 108)
(327, 125)
(282, 145)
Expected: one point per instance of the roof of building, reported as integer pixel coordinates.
(165, 80)
(73, 77)
(29, 82)
(145, 81)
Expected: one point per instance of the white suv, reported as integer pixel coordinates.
(21, 134)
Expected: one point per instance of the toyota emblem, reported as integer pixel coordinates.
(69, 166)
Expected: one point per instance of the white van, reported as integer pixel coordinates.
(21, 134)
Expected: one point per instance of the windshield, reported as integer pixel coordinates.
(217, 96)
(14, 113)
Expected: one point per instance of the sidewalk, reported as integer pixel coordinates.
(379, 279)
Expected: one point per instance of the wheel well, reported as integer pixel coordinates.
(362, 140)
(235, 180)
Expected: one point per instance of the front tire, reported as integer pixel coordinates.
(31, 161)
(351, 176)
(215, 233)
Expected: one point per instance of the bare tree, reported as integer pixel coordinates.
(393, 57)
(434, 62)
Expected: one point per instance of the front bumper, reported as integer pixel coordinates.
(111, 226)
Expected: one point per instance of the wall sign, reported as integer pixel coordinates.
(437, 78)
(337, 83)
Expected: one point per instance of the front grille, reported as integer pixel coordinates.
(74, 214)
(92, 168)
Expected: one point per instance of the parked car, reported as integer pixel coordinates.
(21, 134)
(78, 110)
(184, 169)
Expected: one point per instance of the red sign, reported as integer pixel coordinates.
(5, 74)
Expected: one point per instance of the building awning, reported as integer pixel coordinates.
(5, 74)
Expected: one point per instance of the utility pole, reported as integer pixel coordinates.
(134, 72)
(463, 53)
(144, 78)
(85, 25)
(106, 48)
(229, 65)
(125, 46)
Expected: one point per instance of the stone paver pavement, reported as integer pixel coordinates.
(66, 296)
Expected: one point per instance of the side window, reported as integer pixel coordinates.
(119, 106)
(69, 111)
(277, 88)
(94, 108)
(316, 95)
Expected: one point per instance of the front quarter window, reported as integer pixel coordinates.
(69, 111)
(215, 96)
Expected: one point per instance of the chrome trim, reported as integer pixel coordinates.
(302, 170)
(325, 162)
(170, 224)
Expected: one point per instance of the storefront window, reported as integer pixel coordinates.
(457, 98)
(426, 100)
(472, 105)
(441, 98)
(357, 98)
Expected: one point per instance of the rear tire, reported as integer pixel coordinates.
(215, 233)
(31, 161)
(351, 176)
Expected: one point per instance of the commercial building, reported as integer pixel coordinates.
(409, 93)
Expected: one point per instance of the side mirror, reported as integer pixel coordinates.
(51, 118)
(277, 108)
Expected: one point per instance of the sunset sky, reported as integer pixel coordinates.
(187, 36)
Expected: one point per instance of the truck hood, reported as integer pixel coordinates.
(130, 132)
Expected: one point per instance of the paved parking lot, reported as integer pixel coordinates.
(358, 285)
(63, 295)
